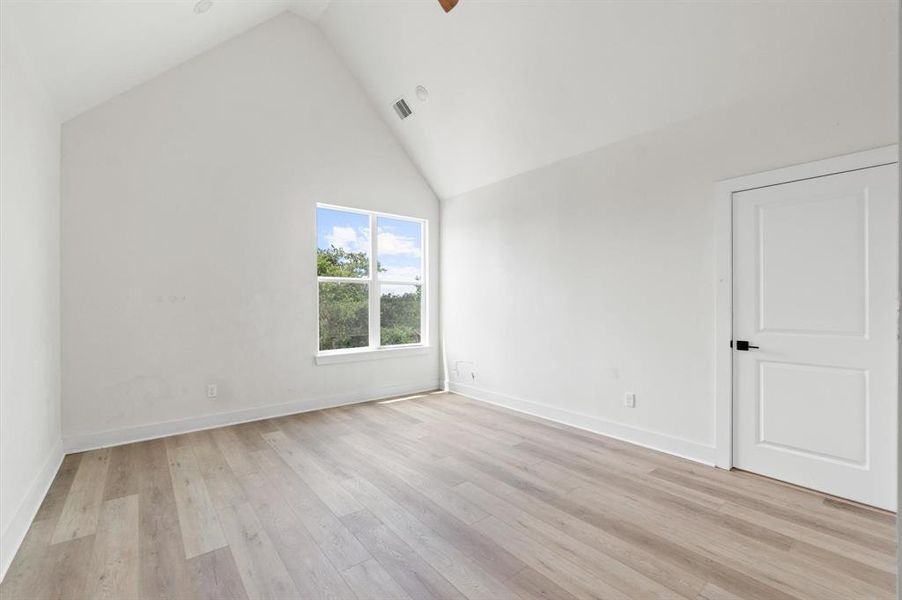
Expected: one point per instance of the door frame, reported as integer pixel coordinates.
(723, 328)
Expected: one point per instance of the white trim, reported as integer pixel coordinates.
(11, 538)
(374, 329)
(723, 198)
(367, 211)
(116, 437)
(357, 280)
(676, 446)
(343, 356)
(375, 295)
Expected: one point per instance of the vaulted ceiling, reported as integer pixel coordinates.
(513, 85)
(87, 51)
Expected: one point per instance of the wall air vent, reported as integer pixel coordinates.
(402, 109)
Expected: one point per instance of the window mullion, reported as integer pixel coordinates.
(374, 284)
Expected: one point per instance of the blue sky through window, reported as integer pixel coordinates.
(400, 249)
(346, 230)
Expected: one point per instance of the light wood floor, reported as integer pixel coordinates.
(435, 497)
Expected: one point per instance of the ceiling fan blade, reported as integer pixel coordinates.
(448, 4)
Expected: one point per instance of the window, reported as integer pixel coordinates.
(367, 304)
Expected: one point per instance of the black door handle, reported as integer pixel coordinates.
(744, 346)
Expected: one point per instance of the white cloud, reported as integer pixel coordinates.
(399, 273)
(348, 238)
(357, 239)
(393, 245)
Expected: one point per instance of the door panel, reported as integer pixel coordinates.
(814, 276)
(813, 265)
(790, 394)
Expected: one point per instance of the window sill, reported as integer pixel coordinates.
(343, 356)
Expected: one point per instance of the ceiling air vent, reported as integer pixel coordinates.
(402, 109)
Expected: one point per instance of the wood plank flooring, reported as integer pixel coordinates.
(435, 496)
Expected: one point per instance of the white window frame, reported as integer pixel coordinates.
(375, 349)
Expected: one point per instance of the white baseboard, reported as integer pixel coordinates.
(116, 437)
(11, 538)
(627, 433)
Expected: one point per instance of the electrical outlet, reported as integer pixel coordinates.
(212, 391)
(464, 370)
(629, 400)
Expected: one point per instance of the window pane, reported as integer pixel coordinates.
(342, 243)
(400, 314)
(400, 247)
(343, 315)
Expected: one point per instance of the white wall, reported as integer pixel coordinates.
(188, 242)
(596, 274)
(30, 447)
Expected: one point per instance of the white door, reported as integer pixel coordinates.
(815, 270)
